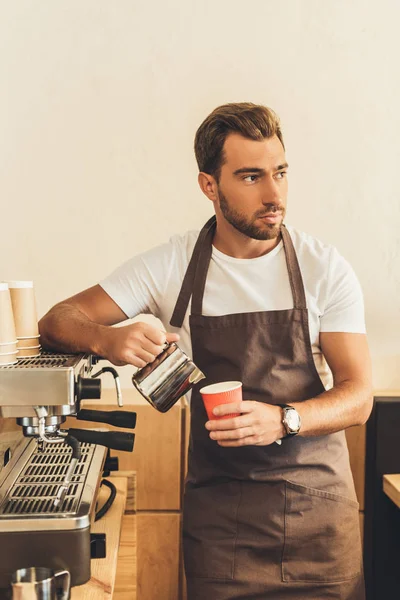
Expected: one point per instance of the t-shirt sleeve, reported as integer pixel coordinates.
(138, 284)
(344, 306)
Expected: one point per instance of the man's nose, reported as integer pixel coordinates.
(271, 193)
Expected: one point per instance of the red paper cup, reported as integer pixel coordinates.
(224, 392)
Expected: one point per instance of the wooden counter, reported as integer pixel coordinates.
(121, 552)
(391, 487)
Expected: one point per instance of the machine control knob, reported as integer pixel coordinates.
(98, 548)
(88, 388)
(111, 464)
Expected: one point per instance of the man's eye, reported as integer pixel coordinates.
(281, 174)
(251, 178)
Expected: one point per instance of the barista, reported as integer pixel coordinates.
(257, 301)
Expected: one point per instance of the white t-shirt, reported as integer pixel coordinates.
(150, 283)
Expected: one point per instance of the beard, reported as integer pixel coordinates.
(248, 226)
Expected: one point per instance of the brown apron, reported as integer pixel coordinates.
(260, 522)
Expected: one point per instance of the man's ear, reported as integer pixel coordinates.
(208, 186)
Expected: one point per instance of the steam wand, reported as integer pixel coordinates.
(114, 373)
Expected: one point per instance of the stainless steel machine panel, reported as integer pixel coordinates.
(27, 383)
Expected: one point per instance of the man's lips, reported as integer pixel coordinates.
(271, 217)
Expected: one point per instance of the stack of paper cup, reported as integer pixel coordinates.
(8, 338)
(25, 318)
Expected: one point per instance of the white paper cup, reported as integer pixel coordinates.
(24, 308)
(29, 352)
(17, 284)
(28, 342)
(8, 347)
(8, 358)
(7, 324)
(28, 347)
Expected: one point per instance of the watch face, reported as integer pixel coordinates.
(292, 419)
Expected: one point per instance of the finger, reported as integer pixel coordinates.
(233, 423)
(142, 354)
(232, 434)
(245, 406)
(153, 334)
(154, 349)
(173, 337)
(151, 348)
(135, 361)
(226, 409)
(247, 441)
(136, 357)
(159, 337)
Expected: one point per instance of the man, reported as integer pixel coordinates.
(272, 307)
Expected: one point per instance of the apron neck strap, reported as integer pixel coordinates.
(295, 278)
(188, 282)
(195, 277)
(199, 283)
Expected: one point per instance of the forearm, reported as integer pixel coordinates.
(348, 403)
(66, 329)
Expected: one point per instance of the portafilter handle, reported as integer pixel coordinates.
(115, 440)
(117, 418)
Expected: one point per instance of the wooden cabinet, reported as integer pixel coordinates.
(126, 577)
(158, 555)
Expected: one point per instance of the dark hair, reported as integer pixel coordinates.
(252, 121)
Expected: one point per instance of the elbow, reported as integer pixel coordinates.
(42, 323)
(47, 326)
(44, 331)
(366, 405)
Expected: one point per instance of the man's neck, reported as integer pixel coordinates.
(232, 242)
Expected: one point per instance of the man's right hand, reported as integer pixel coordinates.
(137, 344)
(84, 323)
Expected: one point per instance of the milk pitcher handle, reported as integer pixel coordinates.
(63, 591)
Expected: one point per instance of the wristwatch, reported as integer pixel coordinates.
(290, 419)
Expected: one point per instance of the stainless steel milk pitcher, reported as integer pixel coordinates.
(169, 377)
(40, 583)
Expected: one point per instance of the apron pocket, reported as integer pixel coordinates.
(322, 536)
(210, 530)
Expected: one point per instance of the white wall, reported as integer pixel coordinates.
(100, 101)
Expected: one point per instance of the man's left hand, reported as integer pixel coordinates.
(259, 424)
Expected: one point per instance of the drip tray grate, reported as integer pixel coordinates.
(35, 489)
(45, 360)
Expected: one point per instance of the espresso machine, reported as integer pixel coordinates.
(49, 477)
